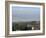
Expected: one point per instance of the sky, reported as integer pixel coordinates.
(25, 13)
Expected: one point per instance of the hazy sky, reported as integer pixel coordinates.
(25, 14)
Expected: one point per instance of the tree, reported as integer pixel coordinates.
(33, 23)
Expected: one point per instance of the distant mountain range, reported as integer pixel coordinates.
(17, 19)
